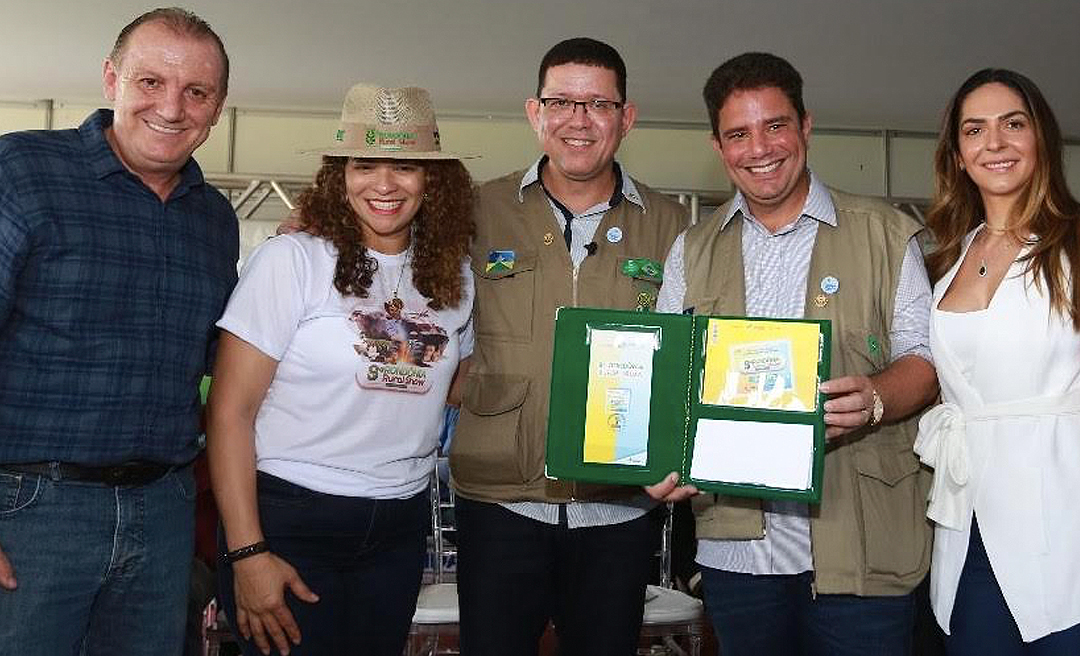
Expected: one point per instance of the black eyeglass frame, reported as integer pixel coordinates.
(600, 105)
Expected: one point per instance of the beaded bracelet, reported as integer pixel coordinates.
(245, 552)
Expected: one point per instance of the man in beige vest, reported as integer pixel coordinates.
(782, 577)
(557, 234)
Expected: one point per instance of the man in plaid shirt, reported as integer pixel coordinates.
(116, 258)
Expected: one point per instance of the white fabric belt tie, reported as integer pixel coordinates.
(941, 444)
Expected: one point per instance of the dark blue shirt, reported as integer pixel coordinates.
(108, 298)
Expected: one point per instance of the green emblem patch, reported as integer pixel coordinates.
(340, 136)
(872, 344)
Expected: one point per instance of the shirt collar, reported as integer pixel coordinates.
(818, 205)
(629, 189)
(105, 162)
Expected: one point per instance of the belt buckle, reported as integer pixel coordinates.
(116, 475)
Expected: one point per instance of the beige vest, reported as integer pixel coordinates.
(498, 449)
(869, 535)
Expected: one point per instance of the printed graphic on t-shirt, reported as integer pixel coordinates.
(399, 346)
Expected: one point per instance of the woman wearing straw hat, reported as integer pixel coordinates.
(338, 348)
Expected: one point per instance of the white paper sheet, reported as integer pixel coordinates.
(770, 454)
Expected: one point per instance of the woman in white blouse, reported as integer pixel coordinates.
(1005, 334)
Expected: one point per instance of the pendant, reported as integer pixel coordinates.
(982, 268)
(394, 306)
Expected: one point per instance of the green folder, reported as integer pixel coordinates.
(731, 403)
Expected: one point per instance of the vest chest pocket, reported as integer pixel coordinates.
(504, 298)
(638, 285)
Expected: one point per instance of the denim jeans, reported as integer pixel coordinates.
(363, 557)
(777, 615)
(981, 624)
(101, 570)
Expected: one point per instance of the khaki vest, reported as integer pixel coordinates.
(498, 449)
(869, 535)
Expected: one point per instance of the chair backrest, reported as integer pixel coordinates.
(665, 547)
(443, 546)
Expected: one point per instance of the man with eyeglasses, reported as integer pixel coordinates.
(557, 234)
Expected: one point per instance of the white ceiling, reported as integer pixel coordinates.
(879, 64)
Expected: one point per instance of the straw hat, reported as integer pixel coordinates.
(388, 122)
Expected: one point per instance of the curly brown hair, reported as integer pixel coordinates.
(441, 229)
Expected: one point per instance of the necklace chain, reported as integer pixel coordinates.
(987, 229)
(394, 305)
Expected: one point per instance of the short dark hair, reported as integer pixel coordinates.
(583, 50)
(180, 21)
(752, 70)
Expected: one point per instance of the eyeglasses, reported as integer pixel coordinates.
(566, 106)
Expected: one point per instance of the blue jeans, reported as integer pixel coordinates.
(777, 615)
(363, 557)
(981, 623)
(101, 570)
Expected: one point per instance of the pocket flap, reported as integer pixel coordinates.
(494, 394)
(888, 465)
(521, 262)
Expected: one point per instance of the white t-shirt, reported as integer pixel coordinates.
(357, 400)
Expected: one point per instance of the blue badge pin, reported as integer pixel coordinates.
(830, 285)
(614, 235)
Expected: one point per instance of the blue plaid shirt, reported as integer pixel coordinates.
(108, 298)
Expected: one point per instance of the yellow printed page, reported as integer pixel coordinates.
(761, 364)
(619, 393)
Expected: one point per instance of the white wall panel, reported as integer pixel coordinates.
(852, 163)
(269, 142)
(1072, 168)
(911, 169)
(23, 116)
(504, 144)
(674, 158)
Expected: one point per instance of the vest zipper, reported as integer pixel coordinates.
(574, 288)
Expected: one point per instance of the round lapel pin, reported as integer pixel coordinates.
(821, 300)
(549, 239)
(830, 285)
(614, 235)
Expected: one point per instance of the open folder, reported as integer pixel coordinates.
(731, 403)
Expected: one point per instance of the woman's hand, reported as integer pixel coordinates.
(260, 583)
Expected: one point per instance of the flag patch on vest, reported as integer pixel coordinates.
(500, 261)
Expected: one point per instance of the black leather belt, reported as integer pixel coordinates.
(135, 472)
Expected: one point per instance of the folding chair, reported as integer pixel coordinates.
(436, 615)
(673, 616)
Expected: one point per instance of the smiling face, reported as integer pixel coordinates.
(997, 143)
(763, 145)
(386, 195)
(166, 96)
(581, 145)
